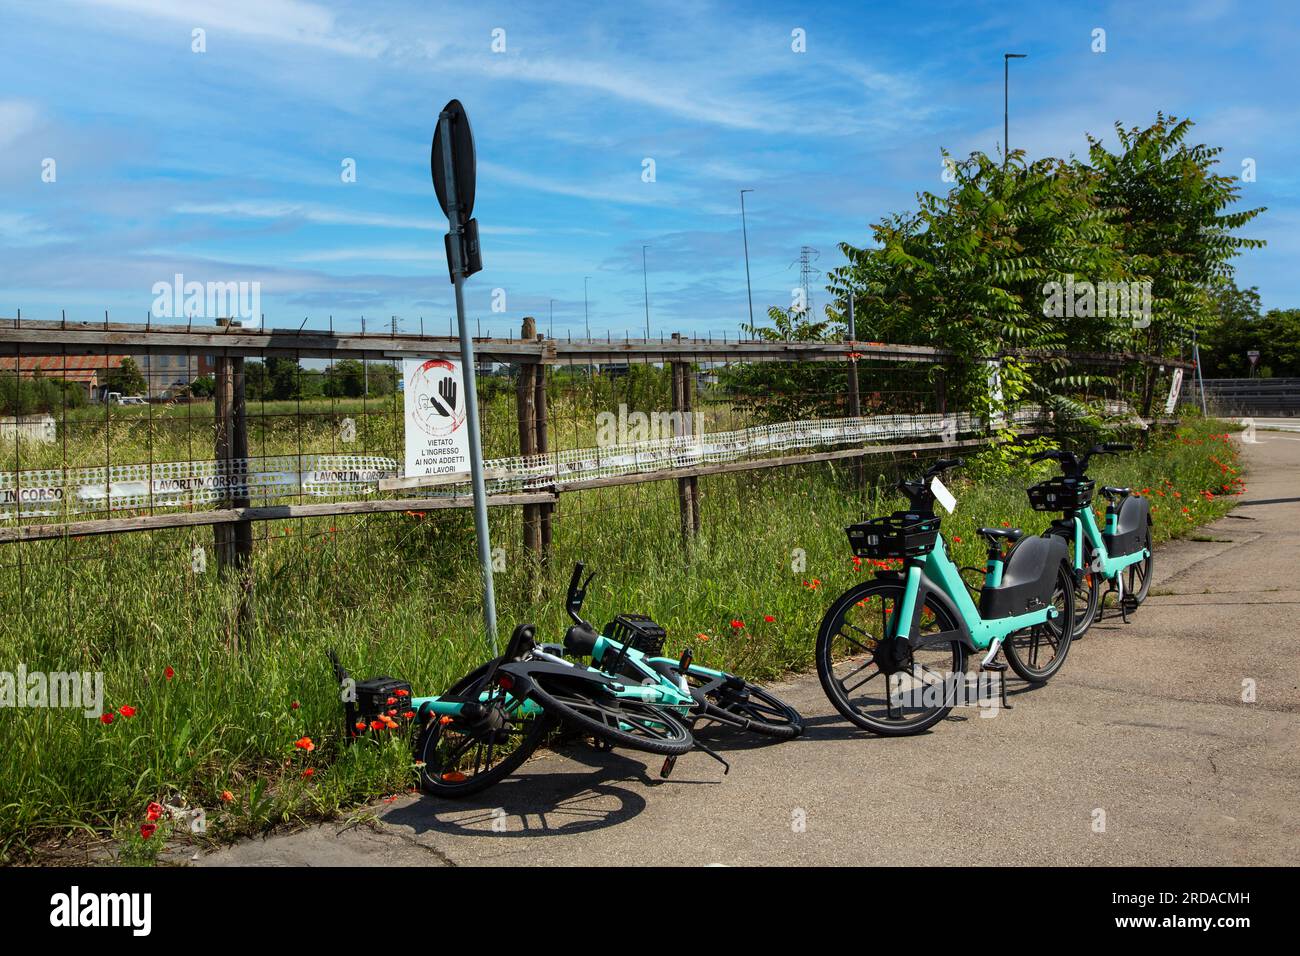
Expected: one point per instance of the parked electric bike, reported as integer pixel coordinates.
(1120, 555)
(890, 650)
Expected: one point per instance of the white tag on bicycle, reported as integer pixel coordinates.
(943, 495)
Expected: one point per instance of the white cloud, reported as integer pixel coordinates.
(284, 21)
(323, 215)
(691, 102)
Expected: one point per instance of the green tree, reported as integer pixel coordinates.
(126, 378)
(786, 391)
(1171, 208)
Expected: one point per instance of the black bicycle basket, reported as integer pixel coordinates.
(637, 632)
(904, 534)
(1061, 494)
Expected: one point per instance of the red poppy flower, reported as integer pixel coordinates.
(308, 772)
(227, 796)
(126, 710)
(702, 637)
(402, 693)
(304, 743)
(737, 624)
(769, 618)
(153, 812)
(106, 718)
(148, 829)
(376, 725)
(294, 706)
(168, 672)
(956, 539)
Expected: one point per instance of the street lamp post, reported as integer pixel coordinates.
(586, 317)
(1006, 101)
(645, 285)
(744, 231)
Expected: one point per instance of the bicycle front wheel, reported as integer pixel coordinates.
(620, 722)
(874, 682)
(729, 699)
(1087, 591)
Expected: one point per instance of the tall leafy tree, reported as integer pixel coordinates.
(1177, 228)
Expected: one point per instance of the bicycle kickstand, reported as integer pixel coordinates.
(670, 762)
(999, 668)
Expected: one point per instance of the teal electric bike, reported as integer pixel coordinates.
(892, 651)
(490, 721)
(1118, 555)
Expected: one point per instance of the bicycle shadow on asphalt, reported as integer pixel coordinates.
(539, 801)
(829, 727)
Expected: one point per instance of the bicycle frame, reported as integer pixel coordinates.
(938, 570)
(661, 691)
(1085, 527)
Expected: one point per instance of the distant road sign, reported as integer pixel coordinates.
(463, 159)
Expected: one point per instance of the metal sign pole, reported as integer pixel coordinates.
(1200, 381)
(471, 388)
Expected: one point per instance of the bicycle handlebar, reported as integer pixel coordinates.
(918, 490)
(577, 593)
(1074, 466)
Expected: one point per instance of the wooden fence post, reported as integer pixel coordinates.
(687, 488)
(233, 542)
(855, 396)
(542, 446)
(526, 405)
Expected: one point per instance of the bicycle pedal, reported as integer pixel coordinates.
(998, 666)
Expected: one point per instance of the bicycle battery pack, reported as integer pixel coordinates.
(1028, 580)
(1130, 527)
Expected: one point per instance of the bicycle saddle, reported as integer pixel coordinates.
(580, 640)
(993, 534)
(1112, 492)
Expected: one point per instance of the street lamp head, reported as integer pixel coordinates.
(1014, 56)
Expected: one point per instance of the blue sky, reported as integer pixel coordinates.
(225, 165)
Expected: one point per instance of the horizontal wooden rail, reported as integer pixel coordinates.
(198, 519)
(38, 337)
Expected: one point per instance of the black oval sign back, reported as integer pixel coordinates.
(462, 157)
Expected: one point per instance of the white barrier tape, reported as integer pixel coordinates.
(53, 492)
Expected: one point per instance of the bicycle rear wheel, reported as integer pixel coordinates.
(1137, 577)
(463, 755)
(729, 699)
(873, 682)
(1036, 653)
(634, 724)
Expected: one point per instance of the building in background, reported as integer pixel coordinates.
(166, 374)
(89, 371)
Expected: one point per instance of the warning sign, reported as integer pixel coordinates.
(437, 441)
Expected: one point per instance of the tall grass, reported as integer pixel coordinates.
(399, 594)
